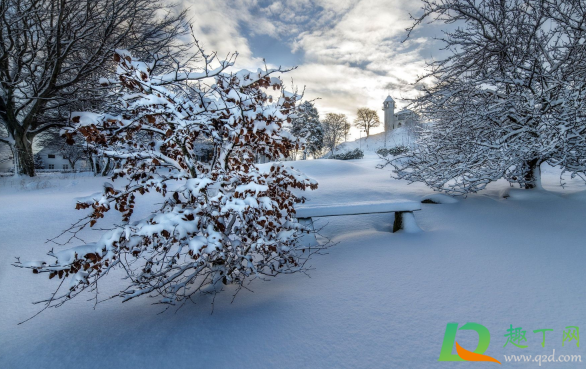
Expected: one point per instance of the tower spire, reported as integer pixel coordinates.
(389, 111)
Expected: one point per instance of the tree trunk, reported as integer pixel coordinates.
(533, 174)
(95, 165)
(107, 167)
(23, 157)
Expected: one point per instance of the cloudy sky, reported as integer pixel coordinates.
(348, 53)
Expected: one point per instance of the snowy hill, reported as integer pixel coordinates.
(397, 137)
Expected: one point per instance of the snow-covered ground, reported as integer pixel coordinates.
(376, 300)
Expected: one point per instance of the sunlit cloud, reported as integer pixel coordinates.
(349, 53)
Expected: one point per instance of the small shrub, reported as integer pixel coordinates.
(393, 151)
(354, 154)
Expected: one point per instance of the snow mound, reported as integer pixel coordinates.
(528, 195)
(438, 198)
(328, 167)
(577, 196)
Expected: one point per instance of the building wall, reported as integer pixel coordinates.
(392, 120)
(406, 117)
(58, 162)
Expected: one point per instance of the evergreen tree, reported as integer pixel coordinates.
(307, 126)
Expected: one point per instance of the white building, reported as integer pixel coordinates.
(51, 159)
(389, 110)
(54, 160)
(392, 120)
(406, 117)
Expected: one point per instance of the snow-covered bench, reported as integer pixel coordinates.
(403, 210)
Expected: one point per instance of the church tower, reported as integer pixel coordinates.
(389, 109)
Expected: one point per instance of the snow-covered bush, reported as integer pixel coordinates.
(354, 154)
(393, 151)
(226, 222)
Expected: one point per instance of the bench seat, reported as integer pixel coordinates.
(356, 209)
(403, 209)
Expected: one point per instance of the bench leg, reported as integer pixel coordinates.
(406, 221)
(308, 239)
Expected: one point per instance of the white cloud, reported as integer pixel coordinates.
(352, 50)
(359, 58)
(217, 25)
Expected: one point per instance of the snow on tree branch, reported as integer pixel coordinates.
(509, 96)
(227, 220)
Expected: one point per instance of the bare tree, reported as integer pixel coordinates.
(52, 51)
(510, 96)
(346, 127)
(335, 128)
(73, 154)
(366, 119)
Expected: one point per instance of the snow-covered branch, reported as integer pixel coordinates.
(508, 98)
(226, 222)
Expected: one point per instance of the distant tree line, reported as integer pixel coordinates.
(325, 135)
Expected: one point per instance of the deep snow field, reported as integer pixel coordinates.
(375, 300)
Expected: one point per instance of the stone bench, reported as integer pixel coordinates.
(403, 210)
